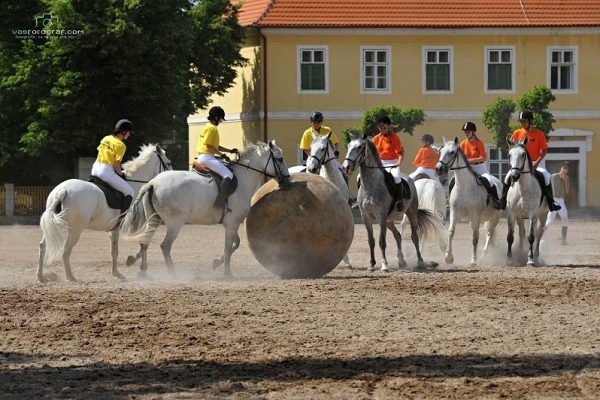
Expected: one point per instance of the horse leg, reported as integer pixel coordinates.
(414, 235)
(531, 239)
(490, 230)
(232, 242)
(218, 261)
(475, 238)
(72, 239)
(382, 245)
(451, 228)
(167, 243)
(346, 261)
(398, 236)
(132, 259)
(521, 223)
(144, 264)
(40, 271)
(510, 236)
(114, 252)
(371, 240)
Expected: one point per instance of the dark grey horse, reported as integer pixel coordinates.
(375, 202)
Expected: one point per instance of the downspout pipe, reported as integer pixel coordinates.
(264, 86)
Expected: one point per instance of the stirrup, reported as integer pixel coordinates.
(399, 205)
(554, 206)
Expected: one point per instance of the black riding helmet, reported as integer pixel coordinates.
(215, 112)
(526, 115)
(384, 119)
(469, 126)
(124, 125)
(427, 138)
(317, 116)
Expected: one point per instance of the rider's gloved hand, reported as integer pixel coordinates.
(234, 151)
(336, 154)
(225, 158)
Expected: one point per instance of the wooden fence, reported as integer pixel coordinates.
(25, 201)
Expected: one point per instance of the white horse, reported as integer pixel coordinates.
(469, 199)
(76, 205)
(524, 200)
(432, 198)
(377, 205)
(179, 197)
(322, 160)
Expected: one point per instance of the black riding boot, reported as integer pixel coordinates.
(552, 205)
(221, 200)
(505, 188)
(492, 192)
(399, 197)
(125, 203)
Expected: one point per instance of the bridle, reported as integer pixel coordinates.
(360, 158)
(525, 159)
(448, 165)
(276, 165)
(324, 160)
(161, 168)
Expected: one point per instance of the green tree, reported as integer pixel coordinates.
(152, 61)
(538, 100)
(496, 118)
(402, 120)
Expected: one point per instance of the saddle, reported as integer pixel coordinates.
(421, 176)
(204, 171)
(114, 198)
(391, 185)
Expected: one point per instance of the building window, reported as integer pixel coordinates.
(500, 70)
(375, 70)
(562, 71)
(312, 69)
(438, 63)
(498, 162)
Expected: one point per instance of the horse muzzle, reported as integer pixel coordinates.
(441, 169)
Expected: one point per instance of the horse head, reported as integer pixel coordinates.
(276, 166)
(518, 158)
(321, 152)
(448, 156)
(357, 149)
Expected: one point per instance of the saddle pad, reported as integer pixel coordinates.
(114, 198)
(210, 175)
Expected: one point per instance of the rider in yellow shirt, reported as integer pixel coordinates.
(209, 147)
(108, 163)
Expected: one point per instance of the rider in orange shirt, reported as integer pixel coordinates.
(426, 159)
(391, 151)
(537, 147)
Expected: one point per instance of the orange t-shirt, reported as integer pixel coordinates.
(388, 146)
(426, 157)
(473, 150)
(536, 141)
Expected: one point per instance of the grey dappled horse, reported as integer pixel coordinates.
(179, 197)
(76, 205)
(375, 202)
(469, 198)
(322, 161)
(524, 201)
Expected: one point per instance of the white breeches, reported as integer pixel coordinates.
(215, 165)
(422, 170)
(392, 167)
(562, 213)
(480, 169)
(540, 168)
(107, 173)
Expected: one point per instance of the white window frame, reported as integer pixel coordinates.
(300, 49)
(388, 72)
(450, 51)
(512, 70)
(574, 50)
(498, 161)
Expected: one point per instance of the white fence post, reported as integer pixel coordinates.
(9, 199)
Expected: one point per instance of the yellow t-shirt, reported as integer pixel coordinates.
(307, 137)
(111, 149)
(208, 136)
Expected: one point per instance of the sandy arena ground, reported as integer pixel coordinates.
(486, 332)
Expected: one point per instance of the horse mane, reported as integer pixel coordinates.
(146, 151)
(465, 159)
(374, 153)
(531, 169)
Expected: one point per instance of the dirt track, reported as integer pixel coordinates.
(491, 331)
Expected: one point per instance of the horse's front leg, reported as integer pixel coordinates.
(451, 229)
(232, 242)
(398, 236)
(538, 236)
(132, 259)
(521, 223)
(475, 223)
(382, 244)
(531, 239)
(510, 236)
(489, 236)
(40, 271)
(114, 252)
(371, 240)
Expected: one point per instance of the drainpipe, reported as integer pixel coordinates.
(264, 85)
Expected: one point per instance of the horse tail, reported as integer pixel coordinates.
(54, 228)
(141, 221)
(429, 224)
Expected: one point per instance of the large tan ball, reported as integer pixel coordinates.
(302, 231)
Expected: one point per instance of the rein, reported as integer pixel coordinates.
(278, 174)
(323, 160)
(525, 159)
(361, 158)
(163, 167)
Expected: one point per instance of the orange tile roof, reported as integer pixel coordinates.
(420, 13)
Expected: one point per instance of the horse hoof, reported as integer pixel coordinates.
(371, 269)
(530, 263)
(130, 261)
(402, 264)
(217, 262)
(119, 276)
(142, 275)
(472, 264)
(449, 259)
(385, 270)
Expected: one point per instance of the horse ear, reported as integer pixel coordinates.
(444, 139)
(329, 135)
(456, 140)
(365, 136)
(509, 142)
(525, 141)
(272, 144)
